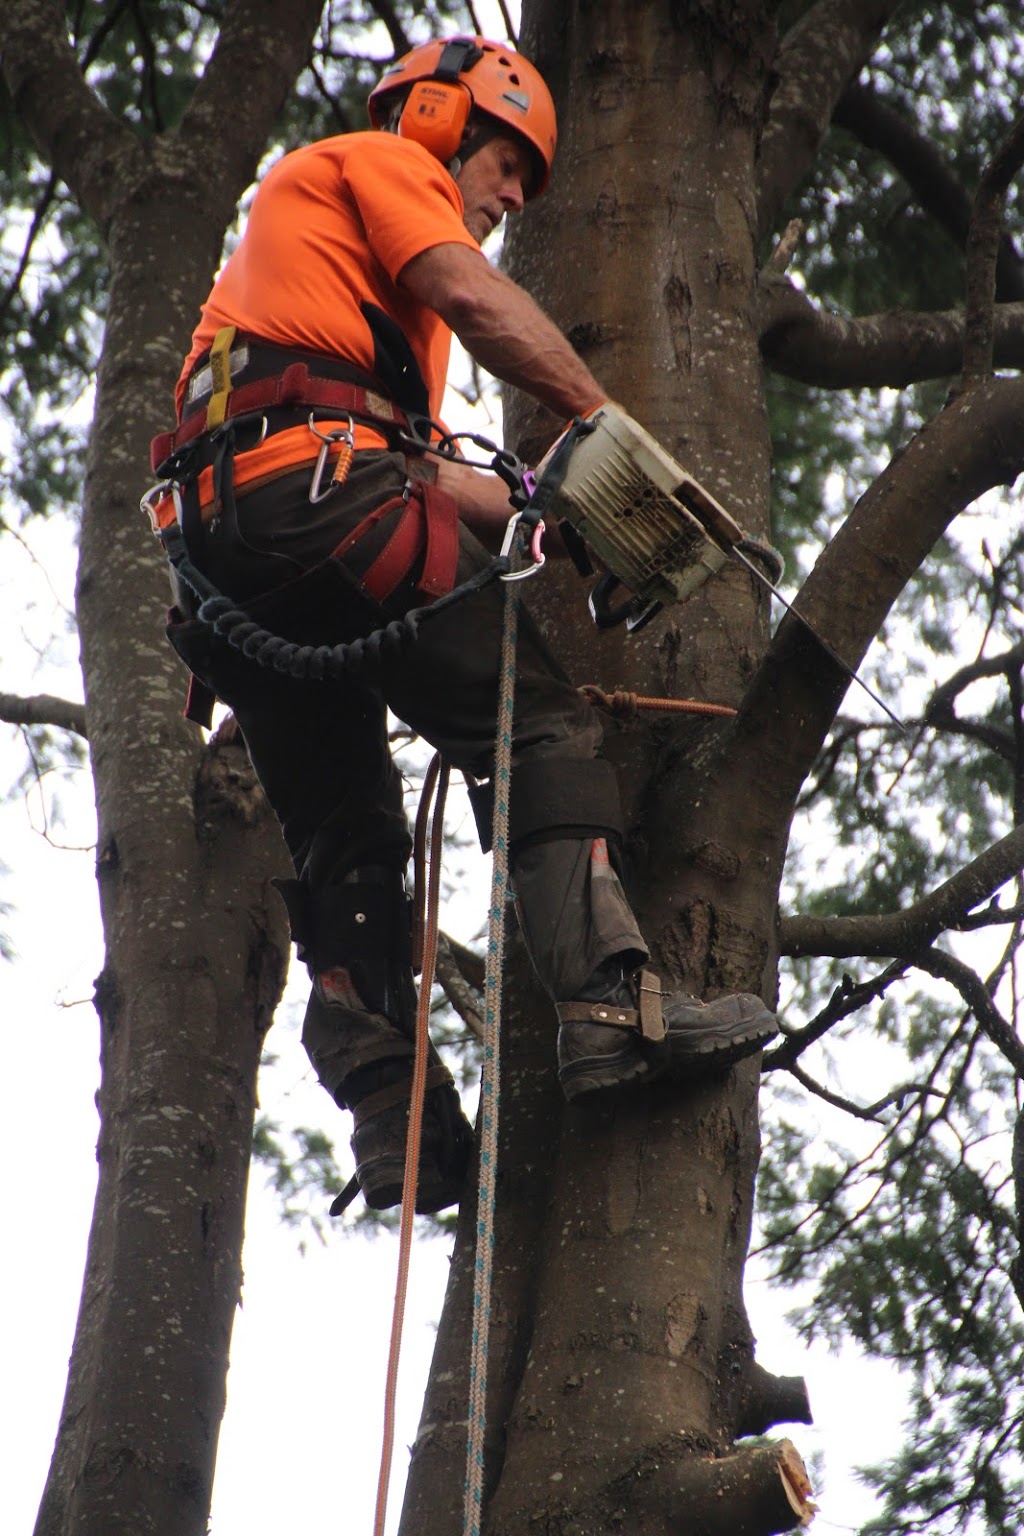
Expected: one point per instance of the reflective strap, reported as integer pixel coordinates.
(220, 374)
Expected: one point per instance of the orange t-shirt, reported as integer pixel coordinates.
(331, 226)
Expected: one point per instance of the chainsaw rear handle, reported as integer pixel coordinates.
(634, 612)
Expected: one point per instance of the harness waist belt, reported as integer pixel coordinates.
(295, 386)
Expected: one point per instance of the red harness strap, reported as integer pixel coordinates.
(295, 386)
(429, 521)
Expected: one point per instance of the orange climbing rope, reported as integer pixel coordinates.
(624, 703)
(425, 919)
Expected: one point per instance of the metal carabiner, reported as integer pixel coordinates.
(150, 500)
(346, 437)
(536, 552)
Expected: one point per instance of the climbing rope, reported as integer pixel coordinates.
(626, 704)
(490, 1084)
(437, 773)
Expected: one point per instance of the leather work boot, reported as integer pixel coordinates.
(366, 1062)
(632, 1034)
(379, 1140)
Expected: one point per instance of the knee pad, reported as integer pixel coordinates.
(363, 923)
(554, 798)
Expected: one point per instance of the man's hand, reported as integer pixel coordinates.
(484, 506)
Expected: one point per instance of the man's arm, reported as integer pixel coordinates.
(502, 327)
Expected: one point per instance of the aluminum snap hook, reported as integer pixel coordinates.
(346, 437)
(151, 499)
(536, 552)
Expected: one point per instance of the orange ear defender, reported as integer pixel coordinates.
(436, 115)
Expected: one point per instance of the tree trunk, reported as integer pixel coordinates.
(196, 941)
(195, 961)
(637, 1363)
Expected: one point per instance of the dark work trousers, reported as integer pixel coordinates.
(320, 749)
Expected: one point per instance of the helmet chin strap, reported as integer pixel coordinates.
(476, 136)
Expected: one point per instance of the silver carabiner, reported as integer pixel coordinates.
(156, 493)
(344, 435)
(536, 552)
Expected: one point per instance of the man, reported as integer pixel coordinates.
(360, 258)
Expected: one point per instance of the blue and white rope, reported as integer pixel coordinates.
(491, 1079)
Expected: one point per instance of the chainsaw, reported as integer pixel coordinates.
(658, 532)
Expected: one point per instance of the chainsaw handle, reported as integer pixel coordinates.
(632, 611)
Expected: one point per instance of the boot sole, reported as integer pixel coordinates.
(605, 1074)
(707, 1050)
(714, 1049)
(381, 1181)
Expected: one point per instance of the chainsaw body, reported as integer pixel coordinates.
(654, 527)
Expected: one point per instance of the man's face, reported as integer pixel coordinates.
(493, 183)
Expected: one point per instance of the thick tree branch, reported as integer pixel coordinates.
(760, 1489)
(983, 245)
(400, 40)
(940, 711)
(770, 1400)
(75, 132)
(817, 59)
(802, 341)
(464, 997)
(261, 48)
(931, 179)
(1017, 1167)
(44, 709)
(914, 928)
(975, 443)
(943, 699)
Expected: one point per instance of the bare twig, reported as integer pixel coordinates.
(847, 998)
(863, 1111)
(786, 249)
(978, 998)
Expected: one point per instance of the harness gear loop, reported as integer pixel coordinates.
(438, 772)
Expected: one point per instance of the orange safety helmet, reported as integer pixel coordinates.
(447, 79)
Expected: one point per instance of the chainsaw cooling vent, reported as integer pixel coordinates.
(620, 492)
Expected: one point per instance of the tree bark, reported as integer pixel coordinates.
(623, 1266)
(195, 944)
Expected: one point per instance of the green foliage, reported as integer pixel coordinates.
(890, 1210)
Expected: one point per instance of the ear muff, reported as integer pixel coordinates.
(435, 115)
